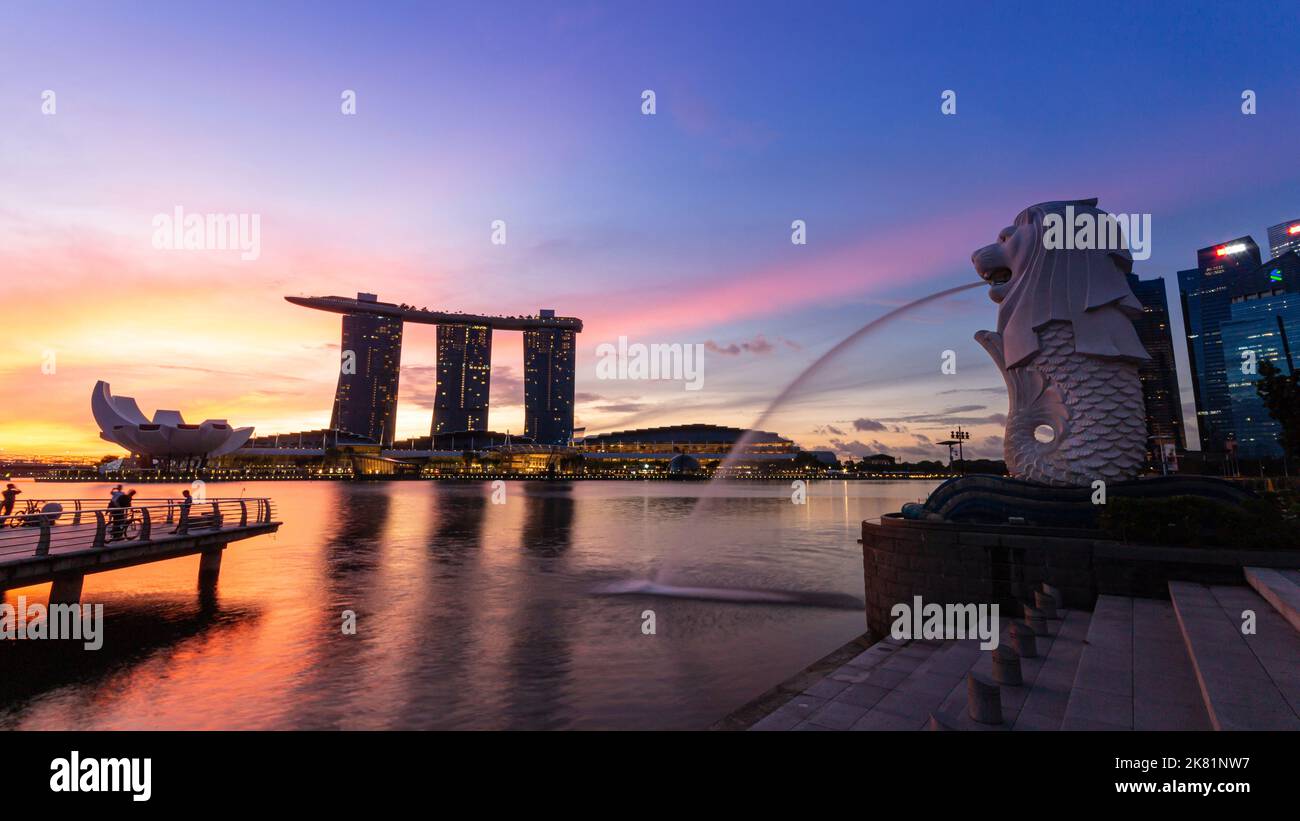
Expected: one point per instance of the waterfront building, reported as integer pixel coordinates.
(460, 400)
(1159, 375)
(652, 450)
(365, 402)
(1206, 298)
(549, 367)
(166, 437)
(367, 406)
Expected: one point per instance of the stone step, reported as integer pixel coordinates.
(1101, 694)
(1247, 681)
(1280, 588)
(1165, 695)
(954, 711)
(1049, 685)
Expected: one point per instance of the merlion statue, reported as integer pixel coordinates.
(1066, 346)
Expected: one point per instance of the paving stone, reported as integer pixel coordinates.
(863, 695)
(874, 720)
(826, 688)
(808, 726)
(778, 719)
(838, 715)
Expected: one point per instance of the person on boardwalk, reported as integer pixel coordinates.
(187, 502)
(121, 505)
(7, 506)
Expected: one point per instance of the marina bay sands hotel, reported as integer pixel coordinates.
(365, 403)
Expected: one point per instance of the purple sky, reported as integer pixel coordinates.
(671, 228)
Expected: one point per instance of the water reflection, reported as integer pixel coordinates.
(468, 614)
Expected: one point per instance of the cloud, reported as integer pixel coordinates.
(758, 345)
(868, 424)
(858, 448)
(507, 387)
(622, 407)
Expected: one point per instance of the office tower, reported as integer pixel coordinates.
(1206, 296)
(1283, 237)
(464, 378)
(365, 403)
(1164, 409)
(549, 368)
(1264, 324)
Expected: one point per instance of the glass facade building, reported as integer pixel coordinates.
(460, 401)
(1283, 237)
(550, 365)
(1159, 375)
(1205, 293)
(1264, 326)
(365, 402)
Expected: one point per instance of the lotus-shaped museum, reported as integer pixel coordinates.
(121, 422)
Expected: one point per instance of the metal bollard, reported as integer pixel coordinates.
(43, 544)
(1036, 620)
(1055, 593)
(983, 699)
(1047, 604)
(1022, 638)
(1006, 666)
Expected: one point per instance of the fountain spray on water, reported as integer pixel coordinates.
(660, 585)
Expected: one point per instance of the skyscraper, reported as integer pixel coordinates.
(549, 367)
(365, 402)
(1206, 297)
(464, 378)
(1283, 237)
(1264, 325)
(1159, 375)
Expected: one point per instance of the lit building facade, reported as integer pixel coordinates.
(365, 402)
(1264, 326)
(1159, 375)
(1283, 237)
(550, 357)
(1205, 292)
(464, 378)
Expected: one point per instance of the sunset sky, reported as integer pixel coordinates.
(670, 228)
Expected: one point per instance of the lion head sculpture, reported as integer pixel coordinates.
(1034, 281)
(1066, 345)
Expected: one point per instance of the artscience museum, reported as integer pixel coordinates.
(167, 436)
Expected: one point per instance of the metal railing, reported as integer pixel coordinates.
(51, 526)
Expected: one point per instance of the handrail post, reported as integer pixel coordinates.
(43, 545)
(99, 529)
(216, 515)
(171, 512)
(145, 525)
(243, 513)
(76, 517)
